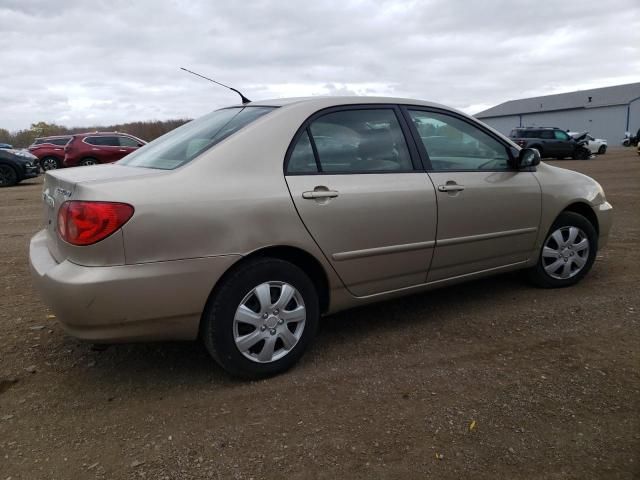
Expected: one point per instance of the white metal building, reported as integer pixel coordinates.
(606, 112)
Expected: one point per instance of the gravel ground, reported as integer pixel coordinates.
(492, 379)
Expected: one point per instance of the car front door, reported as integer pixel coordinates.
(488, 213)
(353, 178)
(127, 145)
(563, 144)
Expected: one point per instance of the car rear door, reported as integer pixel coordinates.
(488, 213)
(353, 178)
(104, 148)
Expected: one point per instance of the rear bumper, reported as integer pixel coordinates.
(142, 302)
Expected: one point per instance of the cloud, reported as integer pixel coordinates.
(117, 60)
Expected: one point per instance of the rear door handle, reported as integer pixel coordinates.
(450, 188)
(320, 194)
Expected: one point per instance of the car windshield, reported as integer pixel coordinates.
(185, 143)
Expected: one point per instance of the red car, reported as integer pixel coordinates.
(50, 151)
(99, 147)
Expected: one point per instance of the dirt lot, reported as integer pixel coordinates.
(492, 379)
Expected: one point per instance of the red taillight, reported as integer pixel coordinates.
(85, 223)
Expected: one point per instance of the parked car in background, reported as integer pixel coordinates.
(6, 146)
(99, 147)
(50, 151)
(16, 166)
(240, 229)
(595, 145)
(631, 140)
(551, 142)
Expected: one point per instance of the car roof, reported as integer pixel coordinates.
(330, 101)
(537, 128)
(97, 134)
(51, 137)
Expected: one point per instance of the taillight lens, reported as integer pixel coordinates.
(86, 223)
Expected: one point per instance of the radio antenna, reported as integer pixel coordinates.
(245, 100)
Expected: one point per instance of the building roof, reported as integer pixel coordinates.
(595, 97)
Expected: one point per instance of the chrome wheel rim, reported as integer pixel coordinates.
(88, 163)
(49, 164)
(269, 322)
(565, 253)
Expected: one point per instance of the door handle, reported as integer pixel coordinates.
(450, 188)
(320, 194)
(123, 150)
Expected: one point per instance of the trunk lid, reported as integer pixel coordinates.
(76, 184)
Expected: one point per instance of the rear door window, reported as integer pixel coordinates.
(103, 141)
(302, 159)
(360, 141)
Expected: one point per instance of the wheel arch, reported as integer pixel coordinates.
(584, 209)
(12, 167)
(297, 256)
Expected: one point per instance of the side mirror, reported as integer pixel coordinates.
(528, 157)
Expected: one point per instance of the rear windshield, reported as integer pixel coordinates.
(185, 143)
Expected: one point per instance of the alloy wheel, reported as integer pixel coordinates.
(565, 253)
(269, 321)
(49, 164)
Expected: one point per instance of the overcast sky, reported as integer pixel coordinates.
(81, 63)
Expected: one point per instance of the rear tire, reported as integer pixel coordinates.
(245, 329)
(86, 162)
(602, 150)
(50, 163)
(8, 176)
(555, 255)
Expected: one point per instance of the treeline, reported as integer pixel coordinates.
(145, 130)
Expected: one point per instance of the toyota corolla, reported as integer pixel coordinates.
(246, 225)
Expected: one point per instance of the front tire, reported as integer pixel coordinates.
(8, 176)
(602, 150)
(567, 254)
(582, 154)
(261, 319)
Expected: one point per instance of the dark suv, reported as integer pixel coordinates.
(549, 141)
(50, 151)
(99, 147)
